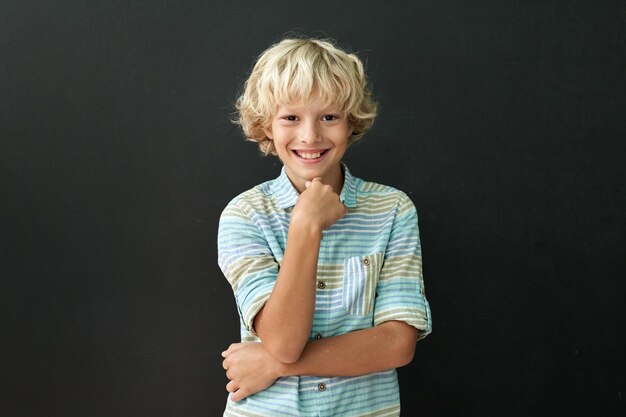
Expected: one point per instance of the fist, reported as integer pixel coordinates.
(318, 206)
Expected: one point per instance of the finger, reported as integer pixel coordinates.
(308, 184)
(239, 395)
(225, 364)
(232, 386)
(235, 347)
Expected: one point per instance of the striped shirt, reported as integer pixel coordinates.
(369, 272)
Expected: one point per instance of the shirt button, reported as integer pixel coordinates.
(321, 285)
(366, 261)
(321, 387)
(318, 336)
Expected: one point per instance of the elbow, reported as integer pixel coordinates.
(405, 354)
(284, 345)
(286, 353)
(405, 339)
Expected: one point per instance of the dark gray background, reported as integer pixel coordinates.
(503, 120)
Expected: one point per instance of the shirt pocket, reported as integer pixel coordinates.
(360, 276)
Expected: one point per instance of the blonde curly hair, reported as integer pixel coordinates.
(290, 72)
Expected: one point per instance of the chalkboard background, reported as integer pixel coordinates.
(504, 121)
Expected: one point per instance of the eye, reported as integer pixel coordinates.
(329, 117)
(291, 118)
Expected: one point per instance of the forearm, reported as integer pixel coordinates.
(389, 345)
(284, 323)
(251, 368)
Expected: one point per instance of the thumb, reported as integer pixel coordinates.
(307, 184)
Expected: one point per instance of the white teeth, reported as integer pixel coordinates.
(309, 155)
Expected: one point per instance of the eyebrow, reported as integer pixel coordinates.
(328, 109)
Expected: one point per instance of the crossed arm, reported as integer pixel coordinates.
(251, 368)
(284, 323)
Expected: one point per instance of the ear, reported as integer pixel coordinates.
(268, 132)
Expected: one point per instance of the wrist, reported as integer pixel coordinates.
(283, 369)
(304, 227)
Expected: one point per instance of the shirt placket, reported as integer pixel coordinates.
(320, 330)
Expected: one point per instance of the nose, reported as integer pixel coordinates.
(310, 133)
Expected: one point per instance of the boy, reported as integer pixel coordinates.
(325, 267)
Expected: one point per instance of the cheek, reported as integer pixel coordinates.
(343, 140)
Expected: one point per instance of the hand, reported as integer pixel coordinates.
(318, 206)
(250, 369)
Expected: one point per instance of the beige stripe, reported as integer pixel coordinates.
(368, 186)
(247, 266)
(330, 268)
(373, 270)
(239, 413)
(402, 259)
(232, 211)
(405, 207)
(392, 411)
(375, 207)
(411, 315)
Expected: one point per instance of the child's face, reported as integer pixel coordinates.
(310, 140)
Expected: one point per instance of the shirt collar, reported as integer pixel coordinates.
(286, 194)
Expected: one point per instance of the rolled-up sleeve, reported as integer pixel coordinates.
(246, 260)
(400, 293)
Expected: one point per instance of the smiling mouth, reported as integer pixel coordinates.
(310, 155)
